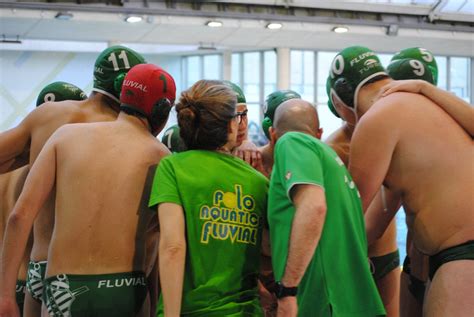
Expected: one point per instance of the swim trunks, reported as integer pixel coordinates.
(464, 251)
(382, 265)
(112, 295)
(416, 286)
(35, 279)
(20, 294)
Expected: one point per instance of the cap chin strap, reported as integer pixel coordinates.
(108, 94)
(359, 86)
(353, 110)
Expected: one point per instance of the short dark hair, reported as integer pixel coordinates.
(204, 113)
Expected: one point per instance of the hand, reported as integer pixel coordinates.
(411, 85)
(287, 307)
(268, 300)
(249, 152)
(8, 307)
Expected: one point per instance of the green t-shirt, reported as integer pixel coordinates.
(337, 281)
(224, 201)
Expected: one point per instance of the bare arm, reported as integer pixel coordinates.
(457, 108)
(380, 213)
(306, 229)
(14, 147)
(38, 185)
(310, 213)
(172, 256)
(372, 146)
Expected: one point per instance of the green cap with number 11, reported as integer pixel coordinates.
(111, 67)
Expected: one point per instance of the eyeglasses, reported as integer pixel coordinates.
(241, 116)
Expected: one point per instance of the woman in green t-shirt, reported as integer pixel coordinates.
(210, 206)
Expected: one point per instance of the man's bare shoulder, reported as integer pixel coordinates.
(54, 110)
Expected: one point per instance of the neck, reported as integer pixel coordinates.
(104, 101)
(138, 122)
(369, 94)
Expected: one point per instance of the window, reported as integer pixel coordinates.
(302, 74)
(459, 75)
(201, 67)
(441, 61)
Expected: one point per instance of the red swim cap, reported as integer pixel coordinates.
(149, 91)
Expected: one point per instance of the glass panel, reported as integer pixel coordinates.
(459, 77)
(270, 67)
(193, 70)
(324, 63)
(255, 131)
(212, 67)
(442, 73)
(235, 73)
(302, 74)
(296, 63)
(385, 59)
(251, 85)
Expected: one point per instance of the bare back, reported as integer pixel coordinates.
(100, 177)
(431, 166)
(42, 124)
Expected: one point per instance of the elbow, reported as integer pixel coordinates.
(172, 251)
(18, 218)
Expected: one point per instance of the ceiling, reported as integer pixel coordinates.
(445, 27)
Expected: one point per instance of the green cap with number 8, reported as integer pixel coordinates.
(172, 140)
(422, 55)
(409, 69)
(111, 67)
(60, 91)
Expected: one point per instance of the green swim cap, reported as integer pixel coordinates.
(237, 90)
(350, 70)
(422, 55)
(59, 91)
(408, 68)
(328, 91)
(172, 140)
(272, 102)
(111, 67)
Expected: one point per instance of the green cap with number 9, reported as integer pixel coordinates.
(408, 68)
(422, 55)
(111, 67)
(59, 91)
(172, 140)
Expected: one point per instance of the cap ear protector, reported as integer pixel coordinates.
(118, 81)
(266, 124)
(160, 112)
(331, 107)
(344, 91)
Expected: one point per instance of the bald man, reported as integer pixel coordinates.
(31, 134)
(413, 147)
(317, 232)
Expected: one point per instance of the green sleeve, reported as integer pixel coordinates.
(298, 162)
(164, 189)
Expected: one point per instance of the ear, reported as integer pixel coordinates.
(273, 136)
(319, 133)
(232, 126)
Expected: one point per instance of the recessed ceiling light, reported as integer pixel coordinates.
(64, 16)
(214, 24)
(133, 18)
(274, 26)
(340, 29)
